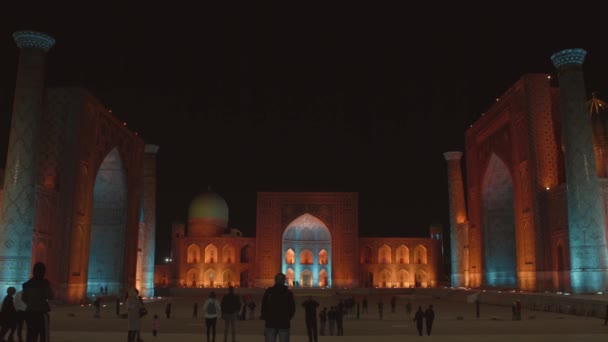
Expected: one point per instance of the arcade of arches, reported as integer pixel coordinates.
(314, 246)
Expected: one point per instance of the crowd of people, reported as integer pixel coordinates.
(31, 305)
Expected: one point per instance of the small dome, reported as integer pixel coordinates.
(208, 205)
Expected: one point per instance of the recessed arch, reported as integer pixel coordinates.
(228, 278)
(192, 277)
(307, 241)
(384, 254)
(367, 255)
(403, 255)
(420, 255)
(210, 254)
(385, 278)
(290, 277)
(322, 278)
(245, 254)
(194, 254)
(108, 226)
(228, 254)
(210, 278)
(403, 278)
(499, 264)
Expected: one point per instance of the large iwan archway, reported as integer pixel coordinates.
(108, 227)
(309, 240)
(498, 226)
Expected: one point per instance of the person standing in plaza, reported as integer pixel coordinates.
(20, 307)
(195, 310)
(36, 295)
(251, 307)
(8, 314)
(168, 309)
(340, 321)
(117, 306)
(231, 303)
(393, 303)
(97, 305)
(323, 320)
(380, 308)
(278, 308)
(419, 319)
(331, 318)
(134, 308)
(606, 319)
(211, 309)
(429, 317)
(310, 314)
(364, 304)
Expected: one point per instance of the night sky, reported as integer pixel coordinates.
(249, 99)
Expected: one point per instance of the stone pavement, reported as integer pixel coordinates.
(76, 323)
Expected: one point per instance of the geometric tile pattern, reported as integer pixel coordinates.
(588, 254)
(18, 204)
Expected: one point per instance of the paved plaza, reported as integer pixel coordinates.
(76, 323)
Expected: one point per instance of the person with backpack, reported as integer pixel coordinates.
(231, 304)
(278, 308)
(212, 310)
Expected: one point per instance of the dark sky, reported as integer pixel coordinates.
(306, 98)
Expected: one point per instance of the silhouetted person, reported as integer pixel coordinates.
(211, 309)
(8, 314)
(408, 310)
(231, 303)
(340, 320)
(251, 307)
(429, 316)
(168, 310)
(380, 308)
(195, 310)
(358, 313)
(364, 304)
(36, 295)
(97, 305)
(419, 319)
(20, 307)
(331, 318)
(393, 304)
(310, 315)
(323, 320)
(278, 308)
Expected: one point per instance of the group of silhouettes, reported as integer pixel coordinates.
(29, 306)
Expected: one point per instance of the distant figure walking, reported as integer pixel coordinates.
(429, 316)
(195, 310)
(364, 304)
(231, 303)
(168, 310)
(251, 307)
(278, 308)
(97, 305)
(212, 309)
(393, 303)
(331, 317)
(323, 320)
(36, 295)
(134, 309)
(380, 308)
(155, 325)
(310, 314)
(340, 320)
(419, 319)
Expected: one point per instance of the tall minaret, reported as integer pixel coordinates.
(149, 208)
(19, 196)
(458, 221)
(586, 226)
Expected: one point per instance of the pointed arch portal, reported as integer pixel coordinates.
(498, 226)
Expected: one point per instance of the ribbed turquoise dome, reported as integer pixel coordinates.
(208, 205)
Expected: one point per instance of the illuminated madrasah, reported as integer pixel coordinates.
(537, 178)
(78, 190)
(312, 237)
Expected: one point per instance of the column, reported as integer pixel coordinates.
(586, 227)
(149, 208)
(458, 218)
(19, 193)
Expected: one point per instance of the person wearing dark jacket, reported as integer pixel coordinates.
(310, 308)
(36, 294)
(8, 314)
(419, 319)
(278, 308)
(429, 316)
(231, 304)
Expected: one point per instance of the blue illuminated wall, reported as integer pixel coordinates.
(499, 226)
(108, 227)
(307, 233)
